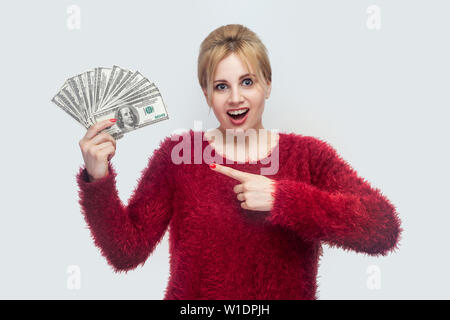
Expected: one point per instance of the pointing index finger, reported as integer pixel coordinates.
(232, 173)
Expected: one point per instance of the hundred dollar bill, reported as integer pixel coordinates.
(103, 93)
(144, 86)
(69, 98)
(139, 95)
(132, 116)
(120, 86)
(76, 92)
(89, 76)
(61, 102)
(102, 78)
(109, 76)
(116, 80)
(132, 85)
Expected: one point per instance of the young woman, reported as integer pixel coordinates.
(234, 233)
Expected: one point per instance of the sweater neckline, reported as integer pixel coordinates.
(246, 162)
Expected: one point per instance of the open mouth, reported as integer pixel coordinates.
(238, 114)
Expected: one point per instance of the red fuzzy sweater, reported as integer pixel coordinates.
(219, 250)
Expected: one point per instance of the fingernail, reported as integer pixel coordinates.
(113, 120)
(212, 165)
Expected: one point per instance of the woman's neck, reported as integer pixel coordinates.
(243, 145)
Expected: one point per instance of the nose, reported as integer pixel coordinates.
(235, 97)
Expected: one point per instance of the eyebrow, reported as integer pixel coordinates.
(245, 75)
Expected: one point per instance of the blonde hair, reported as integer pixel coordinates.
(238, 39)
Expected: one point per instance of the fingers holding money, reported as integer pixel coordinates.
(97, 148)
(106, 150)
(97, 141)
(96, 128)
(103, 137)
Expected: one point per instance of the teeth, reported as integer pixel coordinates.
(236, 112)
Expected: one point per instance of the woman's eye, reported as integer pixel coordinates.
(221, 86)
(248, 81)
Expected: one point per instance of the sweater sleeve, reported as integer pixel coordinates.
(127, 234)
(337, 207)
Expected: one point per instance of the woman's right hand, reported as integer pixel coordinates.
(97, 149)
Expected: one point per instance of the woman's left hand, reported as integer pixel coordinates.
(256, 192)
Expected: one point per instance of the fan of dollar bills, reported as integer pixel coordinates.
(104, 93)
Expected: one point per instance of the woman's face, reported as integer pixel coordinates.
(235, 89)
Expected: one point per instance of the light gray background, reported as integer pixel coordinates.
(379, 96)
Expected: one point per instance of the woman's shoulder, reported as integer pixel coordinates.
(310, 140)
(172, 143)
(175, 137)
(299, 140)
(316, 147)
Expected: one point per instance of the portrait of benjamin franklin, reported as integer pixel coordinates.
(127, 118)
